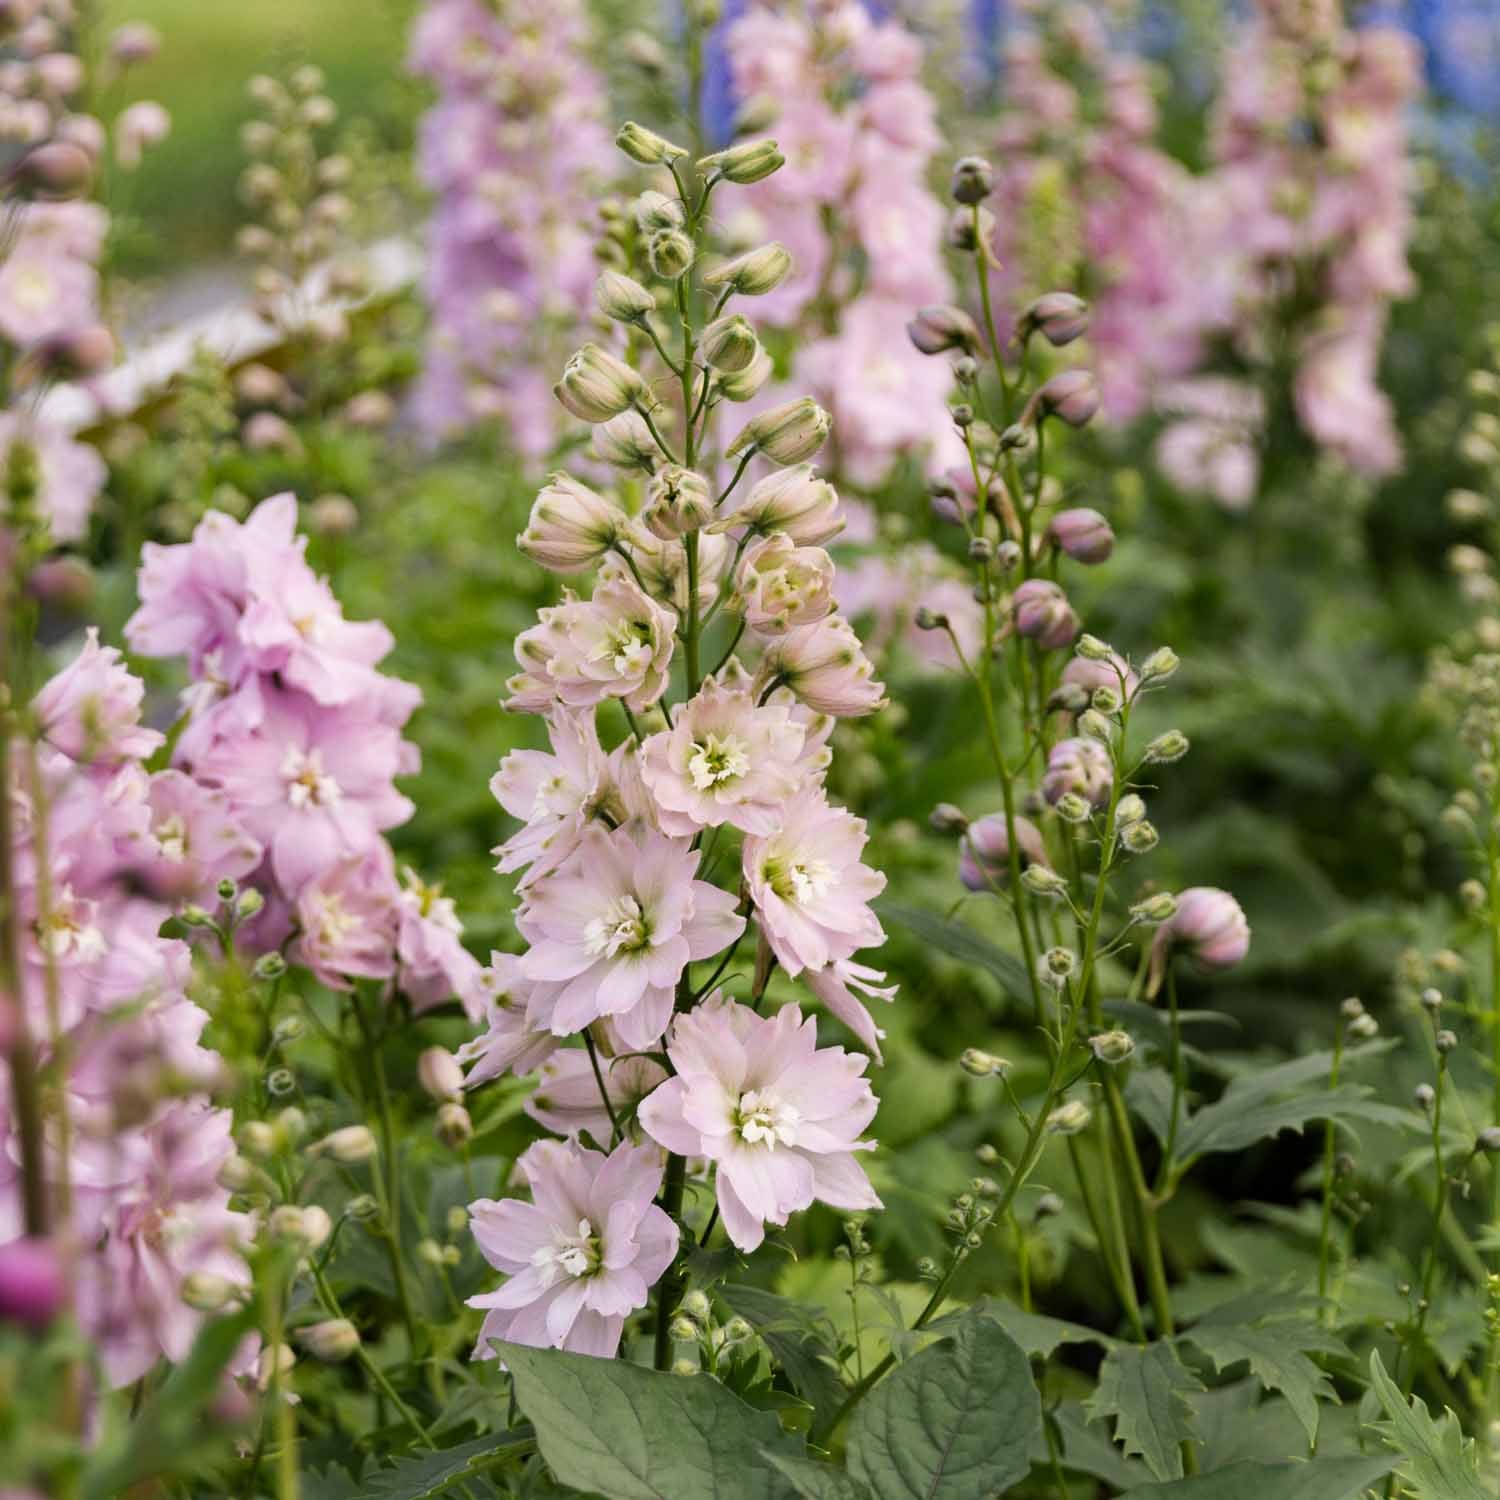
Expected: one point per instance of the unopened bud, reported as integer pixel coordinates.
(684, 1330)
(235, 1174)
(207, 1293)
(269, 966)
(1070, 395)
(655, 211)
(730, 344)
(622, 298)
(257, 1138)
(1351, 1008)
(350, 1144)
(440, 1074)
(646, 146)
(275, 1363)
(748, 162)
(670, 252)
(980, 1064)
(946, 818)
(1059, 317)
(1488, 1140)
(454, 1128)
(1424, 1096)
(1069, 1118)
(1161, 907)
(316, 1226)
(937, 329)
(249, 903)
(684, 1367)
(1159, 665)
(1093, 725)
(973, 180)
(1140, 838)
(1445, 1041)
(1112, 1046)
(1131, 808)
(1073, 808)
(331, 1341)
(787, 434)
(1166, 748)
(1091, 648)
(1362, 1028)
(752, 274)
(596, 385)
(1041, 880)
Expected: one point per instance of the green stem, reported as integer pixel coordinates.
(1155, 1268)
(1325, 1220)
(609, 1106)
(666, 1295)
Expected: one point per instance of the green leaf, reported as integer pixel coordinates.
(1037, 1335)
(958, 941)
(814, 1481)
(1436, 1460)
(955, 1422)
(1319, 1479)
(432, 1473)
(791, 1332)
(1241, 1119)
(1145, 1391)
(629, 1433)
(1277, 1359)
(171, 1432)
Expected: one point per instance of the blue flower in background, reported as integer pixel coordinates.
(1461, 42)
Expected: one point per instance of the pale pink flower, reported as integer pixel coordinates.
(616, 645)
(726, 759)
(662, 565)
(195, 839)
(825, 666)
(567, 1098)
(140, 125)
(984, 851)
(71, 473)
(835, 987)
(1079, 766)
(794, 501)
(810, 890)
(347, 920)
(43, 293)
(612, 930)
(91, 710)
(1116, 674)
(780, 584)
(500, 995)
(571, 527)
(778, 1116)
(580, 1256)
(1209, 926)
(433, 966)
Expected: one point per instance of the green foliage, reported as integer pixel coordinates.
(1319, 1479)
(1146, 1391)
(1435, 1459)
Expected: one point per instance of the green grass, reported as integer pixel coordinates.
(185, 190)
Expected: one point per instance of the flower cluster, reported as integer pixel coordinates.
(291, 741)
(844, 95)
(510, 151)
(125, 1175)
(641, 859)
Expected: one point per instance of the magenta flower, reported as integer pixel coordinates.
(811, 892)
(779, 1116)
(613, 929)
(580, 1256)
(91, 710)
(726, 759)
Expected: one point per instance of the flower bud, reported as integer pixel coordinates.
(678, 501)
(1160, 665)
(1080, 766)
(54, 170)
(697, 1306)
(331, 1341)
(1424, 1096)
(1209, 925)
(670, 252)
(1112, 1046)
(362, 1208)
(1072, 808)
(1041, 881)
(1445, 1041)
(622, 297)
(285, 1223)
(684, 1367)
(980, 1064)
(1166, 748)
(787, 434)
(984, 851)
(33, 1288)
(440, 1074)
(646, 146)
(684, 1330)
(1488, 1140)
(737, 1330)
(973, 180)
(655, 211)
(1362, 1028)
(269, 966)
(1056, 965)
(274, 1364)
(207, 1293)
(316, 1226)
(596, 385)
(746, 384)
(257, 1138)
(729, 344)
(1106, 700)
(235, 1174)
(1160, 907)
(937, 329)
(1083, 534)
(752, 274)
(1091, 648)
(1351, 1007)
(748, 162)
(350, 1144)
(571, 527)
(1094, 725)
(1059, 317)
(946, 818)
(625, 442)
(1041, 613)
(1071, 395)
(1069, 1118)
(1140, 838)
(454, 1128)
(1131, 808)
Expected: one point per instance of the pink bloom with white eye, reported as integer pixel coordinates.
(567, 1098)
(778, 1115)
(43, 294)
(1080, 766)
(313, 784)
(810, 890)
(835, 987)
(612, 930)
(500, 995)
(781, 584)
(71, 474)
(579, 1257)
(616, 645)
(726, 759)
(1209, 925)
(984, 851)
(195, 835)
(347, 919)
(433, 965)
(140, 125)
(825, 666)
(91, 710)
(552, 793)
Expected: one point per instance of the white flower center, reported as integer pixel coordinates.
(621, 926)
(717, 759)
(569, 1254)
(68, 930)
(172, 838)
(33, 289)
(307, 783)
(764, 1119)
(627, 644)
(335, 922)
